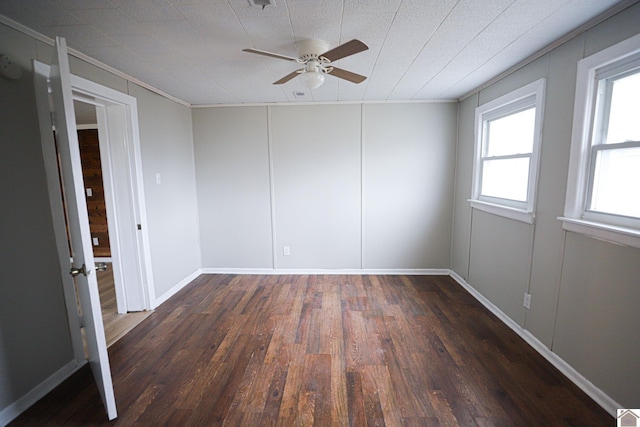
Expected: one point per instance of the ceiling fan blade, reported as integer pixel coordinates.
(344, 50)
(347, 75)
(270, 54)
(287, 77)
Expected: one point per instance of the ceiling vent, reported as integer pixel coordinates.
(262, 3)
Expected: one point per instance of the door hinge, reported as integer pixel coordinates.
(81, 320)
(139, 226)
(53, 118)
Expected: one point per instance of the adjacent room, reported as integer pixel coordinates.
(319, 213)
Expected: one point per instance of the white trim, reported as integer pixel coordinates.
(87, 127)
(109, 190)
(597, 230)
(316, 271)
(138, 296)
(505, 211)
(13, 410)
(296, 104)
(595, 393)
(175, 289)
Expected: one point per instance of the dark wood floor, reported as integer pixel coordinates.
(325, 351)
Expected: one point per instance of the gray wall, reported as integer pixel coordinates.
(585, 293)
(233, 186)
(34, 331)
(166, 143)
(345, 186)
(408, 160)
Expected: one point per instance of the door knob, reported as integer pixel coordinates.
(75, 271)
(101, 266)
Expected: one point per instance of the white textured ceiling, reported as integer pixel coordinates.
(418, 49)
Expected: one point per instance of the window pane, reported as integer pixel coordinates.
(624, 119)
(616, 182)
(511, 134)
(505, 178)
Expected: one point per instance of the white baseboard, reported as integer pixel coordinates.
(600, 397)
(174, 290)
(12, 411)
(347, 271)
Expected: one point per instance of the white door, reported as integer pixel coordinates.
(83, 268)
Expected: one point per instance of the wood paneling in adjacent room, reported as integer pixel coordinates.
(92, 174)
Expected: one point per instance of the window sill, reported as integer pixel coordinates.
(504, 211)
(609, 233)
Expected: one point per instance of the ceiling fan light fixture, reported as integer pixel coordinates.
(312, 79)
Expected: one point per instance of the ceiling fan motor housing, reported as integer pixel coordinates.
(310, 49)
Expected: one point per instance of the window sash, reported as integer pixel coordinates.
(515, 108)
(486, 195)
(593, 214)
(604, 82)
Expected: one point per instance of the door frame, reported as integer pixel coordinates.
(118, 130)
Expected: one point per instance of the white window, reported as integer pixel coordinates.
(603, 191)
(506, 153)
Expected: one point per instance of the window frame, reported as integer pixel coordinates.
(526, 97)
(577, 216)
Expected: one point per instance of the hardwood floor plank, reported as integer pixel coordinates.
(323, 350)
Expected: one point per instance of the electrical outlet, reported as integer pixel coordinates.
(527, 301)
(96, 242)
(89, 192)
(286, 251)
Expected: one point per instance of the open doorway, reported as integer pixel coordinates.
(115, 114)
(117, 319)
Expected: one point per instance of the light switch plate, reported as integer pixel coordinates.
(527, 301)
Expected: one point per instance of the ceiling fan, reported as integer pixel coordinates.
(315, 57)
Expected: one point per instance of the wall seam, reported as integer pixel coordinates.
(362, 187)
(272, 189)
(455, 189)
(564, 251)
